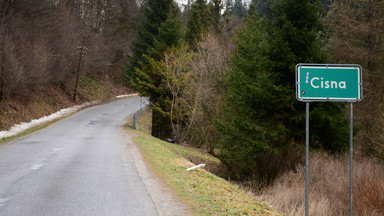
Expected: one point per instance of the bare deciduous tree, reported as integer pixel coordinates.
(195, 80)
(210, 65)
(357, 29)
(177, 70)
(39, 40)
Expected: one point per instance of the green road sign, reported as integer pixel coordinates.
(335, 83)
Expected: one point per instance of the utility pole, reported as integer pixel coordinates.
(6, 8)
(81, 50)
(2, 59)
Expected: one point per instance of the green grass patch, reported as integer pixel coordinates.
(91, 88)
(145, 120)
(206, 193)
(198, 156)
(194, 155)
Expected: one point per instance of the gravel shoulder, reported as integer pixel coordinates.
(166, 202)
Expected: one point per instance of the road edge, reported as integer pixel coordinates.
(31, 130)
(165, 200)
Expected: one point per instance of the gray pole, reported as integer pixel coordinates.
(141, 101)
(351, 163)
(78, 72)
(307, 159)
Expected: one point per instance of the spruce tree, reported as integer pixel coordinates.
(151, 79)
(155, 13)
(205, 18)
(160, 30)
(292, 39)
(198, 22)
(245, 128)
(216, 16)
(260, 5)
(237, 9)
(263, 121)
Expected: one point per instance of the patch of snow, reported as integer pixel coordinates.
(123, 96)
(18, 128)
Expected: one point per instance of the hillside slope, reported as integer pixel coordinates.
(50, 99)
(205, 193)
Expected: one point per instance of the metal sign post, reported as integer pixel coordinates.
(351, 162)
(306, 158)
(328, 83)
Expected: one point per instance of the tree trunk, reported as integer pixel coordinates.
(78, 74)
(1, 86)
(2, 59)
(161, 125)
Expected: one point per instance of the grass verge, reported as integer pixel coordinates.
(205, 193)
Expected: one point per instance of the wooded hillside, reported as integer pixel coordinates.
(41, 41)
(61, 44)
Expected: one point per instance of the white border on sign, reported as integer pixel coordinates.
(331, 99)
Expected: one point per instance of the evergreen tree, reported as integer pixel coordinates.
(263, 121)
(198, 22)
(245, 123)
(260, 5)
(237, 9)
(155, 13)
(292, 39)
(228, 4)
(146, 77)
(217, 19)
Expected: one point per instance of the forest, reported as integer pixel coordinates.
(220, 76)
(45, 45)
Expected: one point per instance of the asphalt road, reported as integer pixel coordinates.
(78, 166)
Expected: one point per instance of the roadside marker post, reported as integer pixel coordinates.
(328, 83)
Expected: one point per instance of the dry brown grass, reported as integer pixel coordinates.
(329, 188)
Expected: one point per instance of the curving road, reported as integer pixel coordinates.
(78, 166)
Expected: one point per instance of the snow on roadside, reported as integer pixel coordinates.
(21, 127)
(123, 96)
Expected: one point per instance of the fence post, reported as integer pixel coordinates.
(135, 122)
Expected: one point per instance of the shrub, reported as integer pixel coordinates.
(329, 188)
